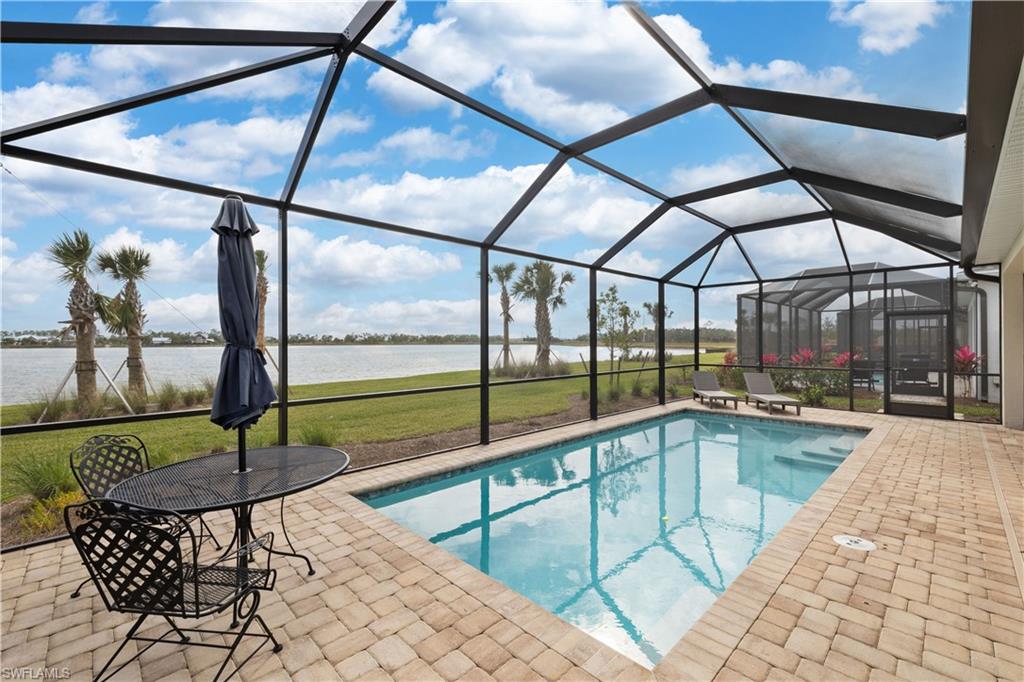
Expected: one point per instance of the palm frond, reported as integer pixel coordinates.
(72, 253)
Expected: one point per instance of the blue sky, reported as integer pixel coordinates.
(394, 151)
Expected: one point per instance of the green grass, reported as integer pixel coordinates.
(362, 421)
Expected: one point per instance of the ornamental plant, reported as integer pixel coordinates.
(965, 363)
(770, 359)
(845, 358)
(804, 357)
(730, 359)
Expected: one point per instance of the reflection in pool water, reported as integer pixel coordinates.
(631, 534)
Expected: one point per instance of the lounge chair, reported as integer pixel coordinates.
(760, 389)
(705, 386)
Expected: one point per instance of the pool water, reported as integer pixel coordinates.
(630, 534)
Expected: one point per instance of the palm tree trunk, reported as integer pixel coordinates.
(82, 306)
(543, 324)
(506, 349)
(261, 323)
(136, 376)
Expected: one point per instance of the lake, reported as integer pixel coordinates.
(28, 373)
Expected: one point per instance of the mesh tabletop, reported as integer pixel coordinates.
(210, 483)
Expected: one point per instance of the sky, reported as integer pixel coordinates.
(392, 150)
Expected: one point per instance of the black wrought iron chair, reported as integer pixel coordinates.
(139, 565)
(103, 461)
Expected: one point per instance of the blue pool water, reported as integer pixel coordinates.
(630, 534)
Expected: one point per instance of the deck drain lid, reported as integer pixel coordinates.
(854, 542)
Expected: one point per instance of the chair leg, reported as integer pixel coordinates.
(242, 632)
(127, 638)
(206, 530)
(78, 590)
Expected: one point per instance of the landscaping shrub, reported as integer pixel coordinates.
(167, 396)
(813, 396)
(41, 476)
(46, 517)
(316, 434)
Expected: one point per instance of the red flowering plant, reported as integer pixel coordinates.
(769, 359)
(845, 358)
(804, 357)
(965, 363)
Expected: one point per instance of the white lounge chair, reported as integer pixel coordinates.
(705, 387)
(761, 390)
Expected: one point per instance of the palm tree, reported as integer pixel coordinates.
(124, 313)
(72, 252)
(652, 312)
(503, 273)
(538, 282)
(262, 291)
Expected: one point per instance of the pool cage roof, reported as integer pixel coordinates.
(820, 288)
(837, 183)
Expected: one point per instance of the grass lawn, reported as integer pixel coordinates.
(341, 424)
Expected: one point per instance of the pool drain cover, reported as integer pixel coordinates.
(854, 542)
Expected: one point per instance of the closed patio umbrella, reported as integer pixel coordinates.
(244, 390)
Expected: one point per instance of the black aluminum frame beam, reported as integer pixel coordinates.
(769, 178)
(916, 202)
(782, 222)
(665, 112)
(527, 197)
(316, 120)
(365, 20)
(696, 256)
(162, 94)
(131, 175)
(648, 220)
(936, 125)
(118, 34)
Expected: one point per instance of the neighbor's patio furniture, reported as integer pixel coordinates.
(705, 387)
(103, 461)
(864, 374)
(213, 483)
(140, 565)
(760, 389)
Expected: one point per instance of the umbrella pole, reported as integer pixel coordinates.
(241, 450)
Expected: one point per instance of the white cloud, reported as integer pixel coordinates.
(420, 145)
(343, 261)
(413, 317)
(690, 178)
(576, 67)
(96, 13)
(121, 70)
(887, 27)
(301, 15)
(25, 279)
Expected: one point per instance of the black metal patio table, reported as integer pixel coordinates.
(213, 483)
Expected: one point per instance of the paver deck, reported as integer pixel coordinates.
(940, 598)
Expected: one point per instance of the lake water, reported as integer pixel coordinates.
(28, 373)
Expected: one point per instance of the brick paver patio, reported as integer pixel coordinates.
(940, 598)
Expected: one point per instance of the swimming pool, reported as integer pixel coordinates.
(630, 534)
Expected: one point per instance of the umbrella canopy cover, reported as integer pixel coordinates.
(244, 389)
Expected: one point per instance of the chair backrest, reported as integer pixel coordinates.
(759, 382)
(103, 461)
(137, 563)
(705, 381)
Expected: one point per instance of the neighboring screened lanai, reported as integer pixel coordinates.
(828, 205)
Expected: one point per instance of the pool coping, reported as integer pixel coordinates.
(702, 651)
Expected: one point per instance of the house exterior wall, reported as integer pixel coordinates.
(1013, 334)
